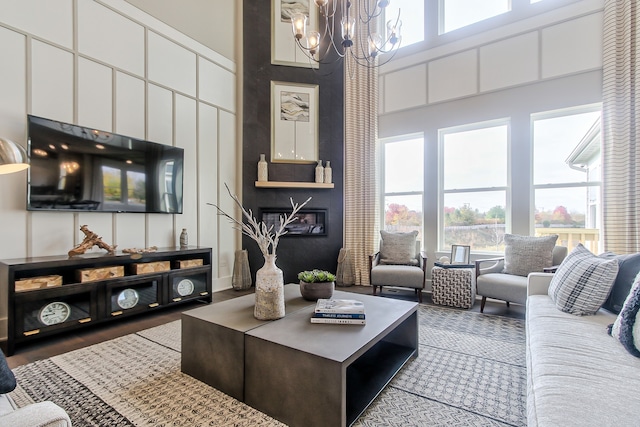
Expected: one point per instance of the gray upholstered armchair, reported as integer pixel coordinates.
(396, 265)
(492, 282)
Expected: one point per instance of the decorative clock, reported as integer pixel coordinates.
(185, 287)
(54, 313)
(128, 298)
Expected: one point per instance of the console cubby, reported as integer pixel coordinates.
(40, 312)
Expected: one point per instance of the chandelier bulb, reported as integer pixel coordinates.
(299, 23)
(321, 3)
(313, 41)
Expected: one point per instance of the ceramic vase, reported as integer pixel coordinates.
(184, 238)
(328, 173)
(263, 169)
(269, 291)
(241, 279)
(319, 172)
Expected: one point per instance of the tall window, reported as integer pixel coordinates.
(474, 185)
(403, 180)
(456, 14)
(412, 17)
(566, 175)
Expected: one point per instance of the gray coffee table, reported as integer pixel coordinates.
(306, 374)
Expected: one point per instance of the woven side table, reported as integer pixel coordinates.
(453, 287)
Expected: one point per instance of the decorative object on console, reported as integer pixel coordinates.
(151, 267)
(626, 328)
(319, 172)
(316, 284)
(269, 279)
(263, 169)
(91, 239)
(184, 239)
(328, 173)
(100, 273)
(582, 282)
(241, 279)
(140, 251)
(38, 282)
(13, 158)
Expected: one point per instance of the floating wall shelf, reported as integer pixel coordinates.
(291, 184)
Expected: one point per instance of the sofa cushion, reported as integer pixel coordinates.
(582, 282)
(526, 254)
(398, 248)
(7, 379)
(626, 328)
(628, 268)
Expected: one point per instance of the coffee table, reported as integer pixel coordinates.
(300, 373)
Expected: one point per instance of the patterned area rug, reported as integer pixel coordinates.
(470, 372)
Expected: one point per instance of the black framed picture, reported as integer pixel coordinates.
(307, 222)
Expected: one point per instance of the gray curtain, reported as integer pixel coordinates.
(621, 126)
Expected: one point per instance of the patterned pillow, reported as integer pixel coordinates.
(626, 328)
(526, 254)
(398, 248)
(583, 282)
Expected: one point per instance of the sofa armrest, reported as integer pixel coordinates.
(42, 414)
(538, 283)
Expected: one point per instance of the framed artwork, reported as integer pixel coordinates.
(460, 254)
(294, 122)
(284, 50)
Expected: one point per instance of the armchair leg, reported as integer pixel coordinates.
(374, 289)
(507, 304)
(484, 299)
(419, 292)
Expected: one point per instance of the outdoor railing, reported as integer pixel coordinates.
(570, 237)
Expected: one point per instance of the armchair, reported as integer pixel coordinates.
(410, 275)
(491, 282)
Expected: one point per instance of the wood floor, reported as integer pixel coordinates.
(52, 346)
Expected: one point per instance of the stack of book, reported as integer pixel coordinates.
(339, 311)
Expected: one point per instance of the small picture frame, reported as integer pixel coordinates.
(460, 254)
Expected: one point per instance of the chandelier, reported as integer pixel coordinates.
(360, 37)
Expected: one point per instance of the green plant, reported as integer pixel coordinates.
(316, 276)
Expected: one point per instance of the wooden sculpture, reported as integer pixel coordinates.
(91, 239)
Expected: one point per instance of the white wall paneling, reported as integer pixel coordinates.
(186, 137)
(95, 95)
(399, 95)
(53, 233)
(216, 85)
(453, 76)
(509, 62)
(572, 46)
(110, 37)
(50, 20)
(52, 76)
(130, 106)
(227, 236)
(106, 81)
(208, 178)
(171, 65)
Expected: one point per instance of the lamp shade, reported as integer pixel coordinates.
(13, 157)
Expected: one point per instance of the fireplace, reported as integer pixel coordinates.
(307, 222)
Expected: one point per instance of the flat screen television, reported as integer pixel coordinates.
(75, 168)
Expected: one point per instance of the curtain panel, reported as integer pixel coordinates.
(621, 127)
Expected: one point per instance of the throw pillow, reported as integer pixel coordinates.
(7, 379)
(626, 328)
(628, 268)
(582, 282)
(526, 254)
(398, 248)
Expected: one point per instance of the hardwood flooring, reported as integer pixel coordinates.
(52, 346)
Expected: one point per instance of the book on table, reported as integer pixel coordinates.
(339, 311)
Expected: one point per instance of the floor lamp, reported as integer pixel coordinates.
(13, 157)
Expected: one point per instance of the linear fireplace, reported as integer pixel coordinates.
(308, 222)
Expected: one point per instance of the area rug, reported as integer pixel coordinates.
(470, 372)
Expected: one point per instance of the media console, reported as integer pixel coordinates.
(55, 294)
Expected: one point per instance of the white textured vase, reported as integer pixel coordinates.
(319, 172)
(328, 173)
(269, 291)
(263, 169)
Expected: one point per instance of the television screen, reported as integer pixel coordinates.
(75, 168)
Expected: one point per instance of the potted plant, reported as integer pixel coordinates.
(315, 284)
